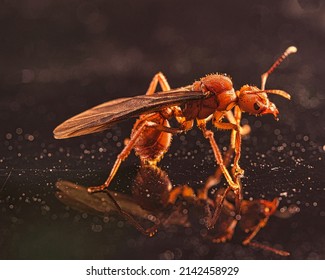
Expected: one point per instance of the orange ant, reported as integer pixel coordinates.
(211, 98)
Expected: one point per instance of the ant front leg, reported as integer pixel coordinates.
(235, 137)
(236, 142)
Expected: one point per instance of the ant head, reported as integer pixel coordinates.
(255, 101)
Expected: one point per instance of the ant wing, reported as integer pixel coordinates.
(105, 115)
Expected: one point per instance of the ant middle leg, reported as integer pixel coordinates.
(235, 186)
(215, 179)
(217, 154)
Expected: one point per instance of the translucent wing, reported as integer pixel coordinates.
(105, 115)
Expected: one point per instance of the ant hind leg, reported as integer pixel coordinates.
(158, 78)
(128, 148)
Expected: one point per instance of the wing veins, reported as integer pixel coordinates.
(103, 116)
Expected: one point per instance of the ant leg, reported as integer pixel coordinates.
(244, 130)
(235, 137)
(268, 208)
(121, 157)
(216, 177)
(162, 80)
(212, 219)
(234, 186)
(127, 149)
(158, 78)
(149, 231)
(248, 241)
(259, 226)
(210, 136)
(184, 124)
(268, 248)
(227, 234)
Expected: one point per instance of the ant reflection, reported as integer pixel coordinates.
(154, 199)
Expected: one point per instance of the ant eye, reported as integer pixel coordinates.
(256, 106)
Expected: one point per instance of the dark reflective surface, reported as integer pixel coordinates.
(153, 199)
(57, 61)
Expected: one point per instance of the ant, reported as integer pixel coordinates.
(210, 99)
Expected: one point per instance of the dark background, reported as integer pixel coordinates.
(58, 58)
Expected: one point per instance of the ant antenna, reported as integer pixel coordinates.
(287, 52)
